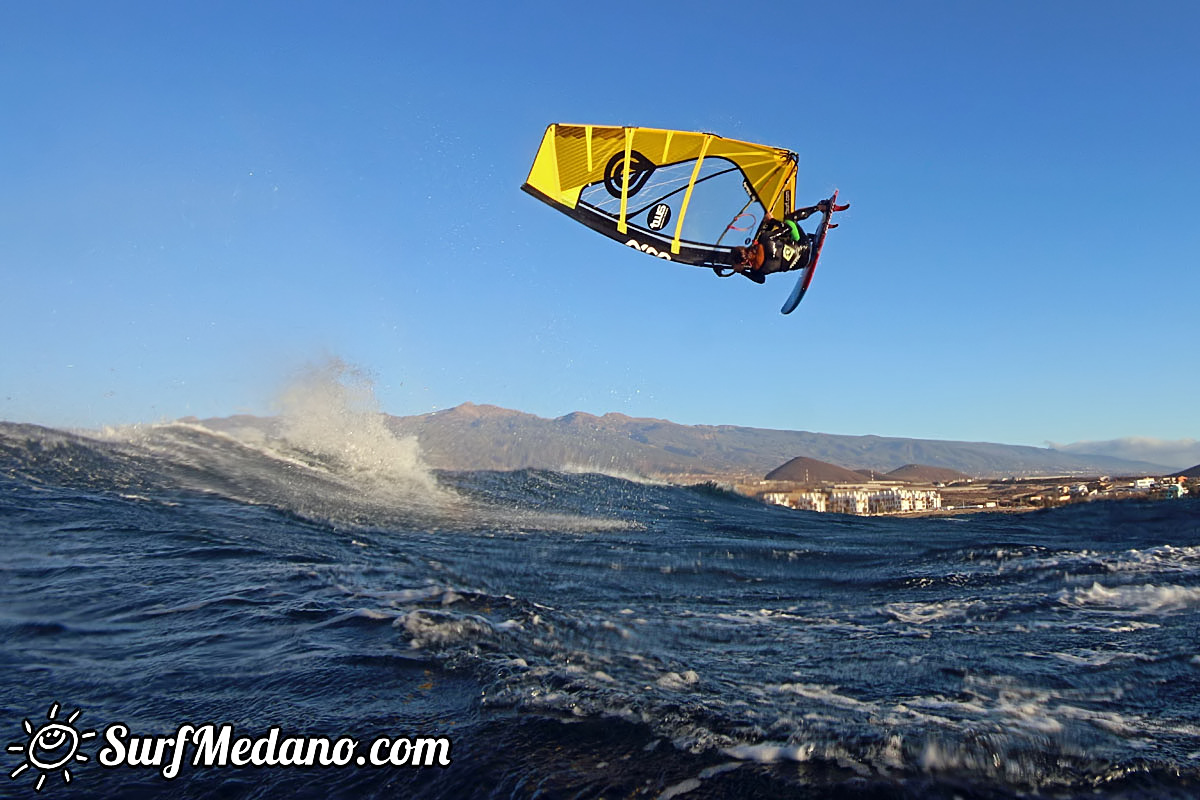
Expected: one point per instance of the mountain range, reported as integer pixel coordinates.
(475, 437)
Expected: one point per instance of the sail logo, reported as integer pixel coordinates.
(640, 169)
(659, 217)
(647, 249)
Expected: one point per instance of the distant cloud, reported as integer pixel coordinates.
(1178, 453)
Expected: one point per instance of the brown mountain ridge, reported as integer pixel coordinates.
(475, 437)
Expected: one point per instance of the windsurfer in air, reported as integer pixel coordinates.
(779, 247)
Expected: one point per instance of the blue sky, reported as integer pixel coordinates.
(199, 199)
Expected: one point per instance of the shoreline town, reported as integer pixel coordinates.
(1014, 495)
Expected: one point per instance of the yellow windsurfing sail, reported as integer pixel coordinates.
(679, 195)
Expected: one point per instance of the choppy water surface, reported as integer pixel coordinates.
(577, 635)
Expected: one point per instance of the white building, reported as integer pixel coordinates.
(811, 501)
(897, 500)
(849, 501)
(845, 500)
(801, 501)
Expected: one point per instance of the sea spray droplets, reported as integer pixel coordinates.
(330, 419)
(330, 411)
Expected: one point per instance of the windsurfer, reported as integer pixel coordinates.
(779, 246)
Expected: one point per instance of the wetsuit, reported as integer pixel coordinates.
(779, 247)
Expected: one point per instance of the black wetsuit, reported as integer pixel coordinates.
(781, 251)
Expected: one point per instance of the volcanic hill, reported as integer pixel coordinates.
(921, 473)
(811, 471)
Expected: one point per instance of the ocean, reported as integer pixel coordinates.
(569, 634)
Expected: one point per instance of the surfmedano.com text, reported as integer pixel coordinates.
(217, 746)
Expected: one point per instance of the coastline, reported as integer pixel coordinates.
(1008, 495)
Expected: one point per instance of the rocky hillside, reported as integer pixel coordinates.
(487, 437)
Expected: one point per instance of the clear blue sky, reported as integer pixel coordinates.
(198, 198)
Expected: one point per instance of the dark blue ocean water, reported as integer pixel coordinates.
(580, 635)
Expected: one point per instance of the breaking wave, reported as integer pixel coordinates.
(327, 456)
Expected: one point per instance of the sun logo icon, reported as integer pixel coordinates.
(52, 747)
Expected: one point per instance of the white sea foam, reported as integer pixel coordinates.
(771, 753)
(1144, 599)
(1097, 658)
(827, 695)
(959, 708)
(1110, 721)
(925, 613)
(676, 681)
(431, 628)
(373, 614)
(402, 597)
(1164, 558)
(719, 769)
(683, 787)
(1158, 559)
